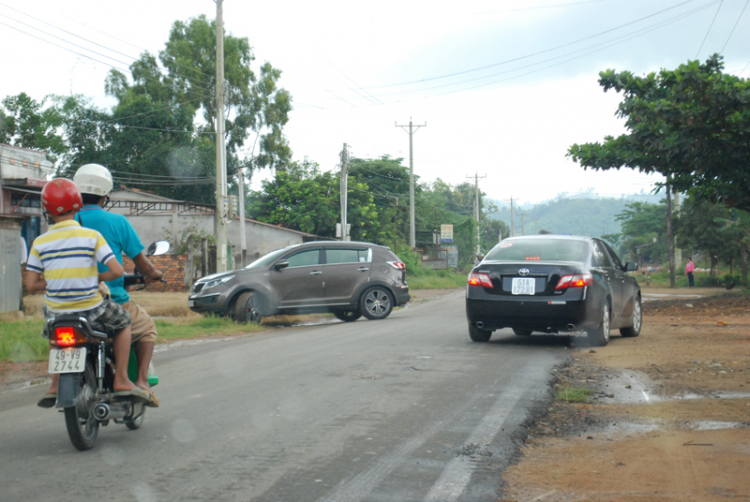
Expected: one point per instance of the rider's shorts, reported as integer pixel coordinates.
(107, 314)
(142, 327)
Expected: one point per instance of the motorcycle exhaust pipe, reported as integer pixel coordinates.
(103, 411)
(480, 324)
(571, 327)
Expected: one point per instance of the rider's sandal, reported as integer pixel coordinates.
(136, 392)
(154, 403)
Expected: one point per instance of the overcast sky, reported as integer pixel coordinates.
(503, 86)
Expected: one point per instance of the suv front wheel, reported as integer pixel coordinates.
(376, 303)
(245, 308)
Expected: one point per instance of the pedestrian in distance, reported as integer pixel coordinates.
(689, 268)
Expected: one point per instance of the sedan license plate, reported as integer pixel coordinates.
(523, 286)
(67, 360)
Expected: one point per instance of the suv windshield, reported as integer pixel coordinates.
(268, 259)
(539, 249)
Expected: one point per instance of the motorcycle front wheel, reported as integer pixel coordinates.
(83, 427)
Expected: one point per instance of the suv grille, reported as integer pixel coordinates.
(197, 288)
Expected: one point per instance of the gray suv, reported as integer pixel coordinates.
(348, 279)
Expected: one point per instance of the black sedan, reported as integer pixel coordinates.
(553, 284)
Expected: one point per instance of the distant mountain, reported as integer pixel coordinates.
(580, 214)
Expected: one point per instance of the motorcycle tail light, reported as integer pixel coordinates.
(67, 336)
(575, 281)
(476, 279)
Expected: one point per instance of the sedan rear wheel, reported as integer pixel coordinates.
(479, 335)
(636, 321)
(599, 337)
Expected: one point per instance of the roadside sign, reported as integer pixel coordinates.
(446, 233)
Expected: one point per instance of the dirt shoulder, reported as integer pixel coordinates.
(669, 417)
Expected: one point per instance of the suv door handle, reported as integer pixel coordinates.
(362, 269)
(316, 272)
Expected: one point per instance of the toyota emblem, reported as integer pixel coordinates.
(523, 271)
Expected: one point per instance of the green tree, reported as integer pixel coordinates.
(303, 198)
(642, 223)
(28, 123)
(388, 182)
(691, 124)
(701, 227)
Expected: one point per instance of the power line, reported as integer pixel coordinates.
(609, 43)
(735, 26)
(709, 29)
(539, 52)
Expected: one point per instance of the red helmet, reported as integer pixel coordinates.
(60, 196)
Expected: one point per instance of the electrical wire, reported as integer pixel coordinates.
(709, 29)
(536, 53)
(608, 43)
(735, 26)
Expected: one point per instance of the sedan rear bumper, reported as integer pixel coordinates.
(539, 314)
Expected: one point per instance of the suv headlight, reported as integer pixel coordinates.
(215, 282)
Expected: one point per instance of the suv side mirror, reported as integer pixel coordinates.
(631, 267)
(281, 264)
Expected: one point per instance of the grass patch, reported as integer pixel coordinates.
(574, 395)
(22, 341)
(210, 325)
(437, 279)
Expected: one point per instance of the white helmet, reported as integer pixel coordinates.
(93, 179)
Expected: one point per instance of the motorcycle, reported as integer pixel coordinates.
(84, 359)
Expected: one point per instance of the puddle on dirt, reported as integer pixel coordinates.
(711, 426)
(629, 387)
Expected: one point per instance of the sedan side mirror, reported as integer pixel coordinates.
(281, 264)
(631, 267)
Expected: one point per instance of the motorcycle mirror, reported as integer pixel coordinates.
(158, 248)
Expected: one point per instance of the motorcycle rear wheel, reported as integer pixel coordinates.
(83, 427)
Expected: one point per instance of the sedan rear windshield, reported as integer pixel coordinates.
(539, 250)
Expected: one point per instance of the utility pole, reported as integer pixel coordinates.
(412, 224)
(344, 180)
(476, 203)
(522, 216)
(243, 237)
(670, 236)
(222, 202)
(677, 251)
(512, 222)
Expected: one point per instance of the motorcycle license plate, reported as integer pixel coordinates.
(523, 286)
(71, 360)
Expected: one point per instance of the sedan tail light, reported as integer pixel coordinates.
(477, 279)
(399, 265)
(575, 281)
(67, 336)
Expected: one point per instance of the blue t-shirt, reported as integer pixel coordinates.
(121, 237)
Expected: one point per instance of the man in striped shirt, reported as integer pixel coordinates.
(63, 262)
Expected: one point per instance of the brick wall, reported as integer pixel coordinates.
(173, 268)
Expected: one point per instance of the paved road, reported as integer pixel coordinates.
(397, 410)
